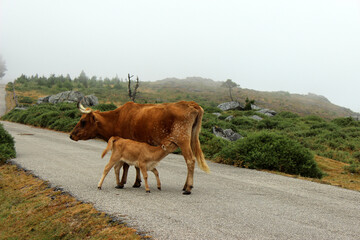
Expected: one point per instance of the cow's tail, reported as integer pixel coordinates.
(109, 146)
(195, 142)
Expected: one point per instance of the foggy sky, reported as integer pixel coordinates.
(299, 46)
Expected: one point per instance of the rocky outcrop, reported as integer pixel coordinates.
(226, 134)
(256, 117)
(70, 96)
(237, 106)
(230, 106)
(267, 112)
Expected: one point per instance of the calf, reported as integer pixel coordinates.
(142, 155)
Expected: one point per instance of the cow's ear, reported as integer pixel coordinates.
(95, 119)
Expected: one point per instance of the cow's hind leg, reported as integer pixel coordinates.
(190, 162)
(117, 168)
(155, 171)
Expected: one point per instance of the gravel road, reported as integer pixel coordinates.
(228, 203)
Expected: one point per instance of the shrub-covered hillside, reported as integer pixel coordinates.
(286, 142)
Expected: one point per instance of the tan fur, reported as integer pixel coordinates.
(139, 154)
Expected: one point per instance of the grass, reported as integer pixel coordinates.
(29, 209)
(335, 174)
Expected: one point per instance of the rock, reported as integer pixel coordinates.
(356, 117)
(217, 114)
(229, 118)
(226, 134)
(90, 100)
(70, 96)
(267, 112)
(254, 107)
(43, 100)
(256, 117)
(230, 106)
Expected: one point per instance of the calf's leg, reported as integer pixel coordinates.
(155, 171)
(145, 176)
(107, 168)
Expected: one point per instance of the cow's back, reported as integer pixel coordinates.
(152, 123)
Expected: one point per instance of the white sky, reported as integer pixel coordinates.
(298, 46)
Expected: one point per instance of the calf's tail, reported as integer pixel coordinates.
(109, 146)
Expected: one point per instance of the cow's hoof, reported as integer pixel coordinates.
(137, 185)
(159, 188)
(99, 188)
(119, 186)
(148, 191)
(186, 192)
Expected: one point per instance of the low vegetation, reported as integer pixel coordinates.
(7, 148)
(29, 209)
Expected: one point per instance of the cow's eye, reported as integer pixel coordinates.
(82, 123)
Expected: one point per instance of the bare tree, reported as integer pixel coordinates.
(230, 85)
(132, 94)
(3, 68)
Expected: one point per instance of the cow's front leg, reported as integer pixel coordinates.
(137, 183)
(117, 168)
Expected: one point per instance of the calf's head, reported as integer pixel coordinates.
(87, 127)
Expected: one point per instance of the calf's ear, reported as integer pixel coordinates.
(163, 147)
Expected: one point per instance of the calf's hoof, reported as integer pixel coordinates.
(148, 191)
(99, 188)
(119, 186)
(137, 185)
(186, 192)
(159, 188)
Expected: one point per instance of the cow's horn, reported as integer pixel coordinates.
(82, 109)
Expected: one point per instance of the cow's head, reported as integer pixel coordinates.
(87, 127)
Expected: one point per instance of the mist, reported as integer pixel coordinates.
(295, 46)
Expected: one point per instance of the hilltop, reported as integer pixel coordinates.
(205, 91)
(309, 104)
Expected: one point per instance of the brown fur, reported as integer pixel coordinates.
(140, 154)
(150, 123)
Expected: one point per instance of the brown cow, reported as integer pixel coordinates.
(150, 123)
(142, 155)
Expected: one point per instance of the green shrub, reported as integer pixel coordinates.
(356, 155)
(213, 146)
(313, 119)
(353, 168)
(63, 124)
(7, 148)
(105, 107)
(346, 122)
(268, 123)
(287, 115)
(26, 100)
(244, 122)
(47, 118)
(272, 151)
